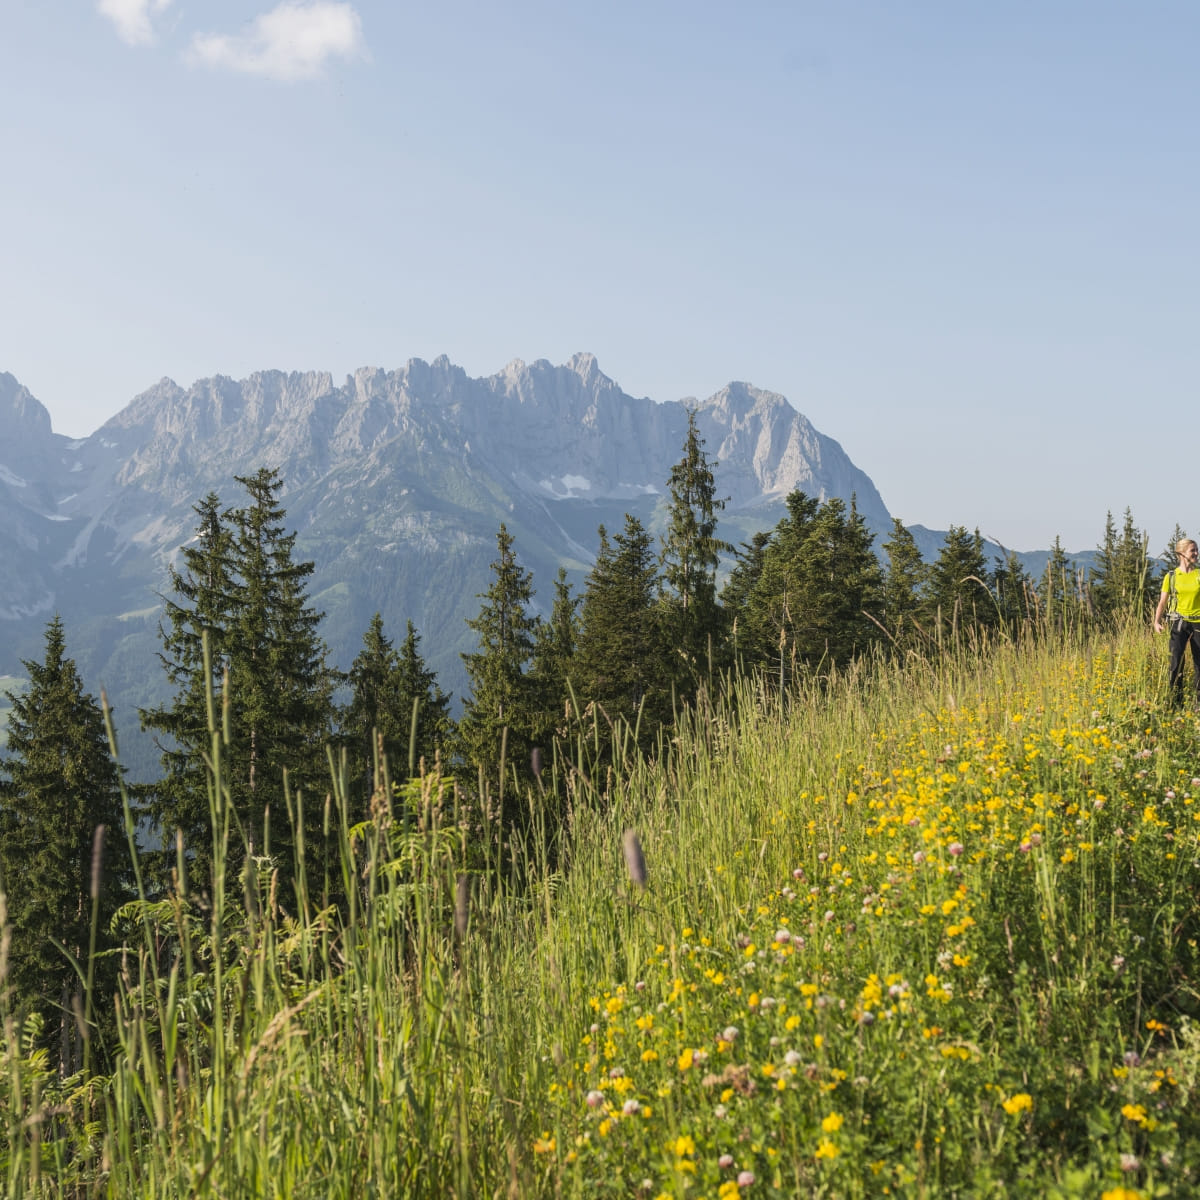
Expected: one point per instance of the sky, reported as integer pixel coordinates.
(961, 238)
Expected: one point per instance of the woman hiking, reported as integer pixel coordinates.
(1180, 604)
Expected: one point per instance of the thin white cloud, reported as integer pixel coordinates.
(133, 19)
(293, 41)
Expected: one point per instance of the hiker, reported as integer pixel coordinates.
(1180, 604)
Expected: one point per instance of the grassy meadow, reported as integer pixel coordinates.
(920, 930)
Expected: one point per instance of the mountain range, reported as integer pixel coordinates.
(396, 483)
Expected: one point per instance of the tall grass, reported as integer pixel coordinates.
(922, 928)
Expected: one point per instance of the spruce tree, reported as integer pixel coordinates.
(775, 604)
(1103, 589)
(281, 690)
(553, 667)
(418, 687)
(1016, 596)
(818, 589)
(742, 648)
(841, 585)
(690, 555)
(199, 604)
(59, 783)
(501, 694)
(1058, 590)
(623, 663)
(904, 589)
(385, 684)
(374, 712)
(1123, 581)
(960, 584)
(243, 587)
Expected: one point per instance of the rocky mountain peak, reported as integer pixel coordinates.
(21, 415)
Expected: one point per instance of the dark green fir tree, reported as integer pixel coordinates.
(553, 669)
(904, 589)
(499, 714)
(960, 585)
(198, 608)
(1016, 595)
(1124, 582)
(385, 684)
(59, 785)
(420, 694)
(623, 659)
(691, 553)
(244, 588)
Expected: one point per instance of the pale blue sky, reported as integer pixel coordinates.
(960, 237)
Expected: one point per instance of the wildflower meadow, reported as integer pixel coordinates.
(915, 929)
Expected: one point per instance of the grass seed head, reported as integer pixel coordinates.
(635, 862)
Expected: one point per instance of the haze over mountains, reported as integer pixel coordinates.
(396, 483)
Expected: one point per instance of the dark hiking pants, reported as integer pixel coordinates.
(1184, 634)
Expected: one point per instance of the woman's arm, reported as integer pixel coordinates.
(1159, 611)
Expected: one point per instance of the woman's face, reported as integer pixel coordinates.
(1187, 553)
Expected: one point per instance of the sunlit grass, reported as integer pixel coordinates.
(922, 930)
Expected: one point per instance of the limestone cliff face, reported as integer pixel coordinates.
(395, 481)
(556, 432)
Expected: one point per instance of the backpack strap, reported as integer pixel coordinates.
(1171, 591)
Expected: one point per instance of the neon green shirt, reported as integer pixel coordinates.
(1187, 593)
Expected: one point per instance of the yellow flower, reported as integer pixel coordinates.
(544, 1145)
(826, 1149)
(682, 1145)
(1134, 1112)
(685, 1059)
(833, 1122)
(1020, 1102)
(649, 1056)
